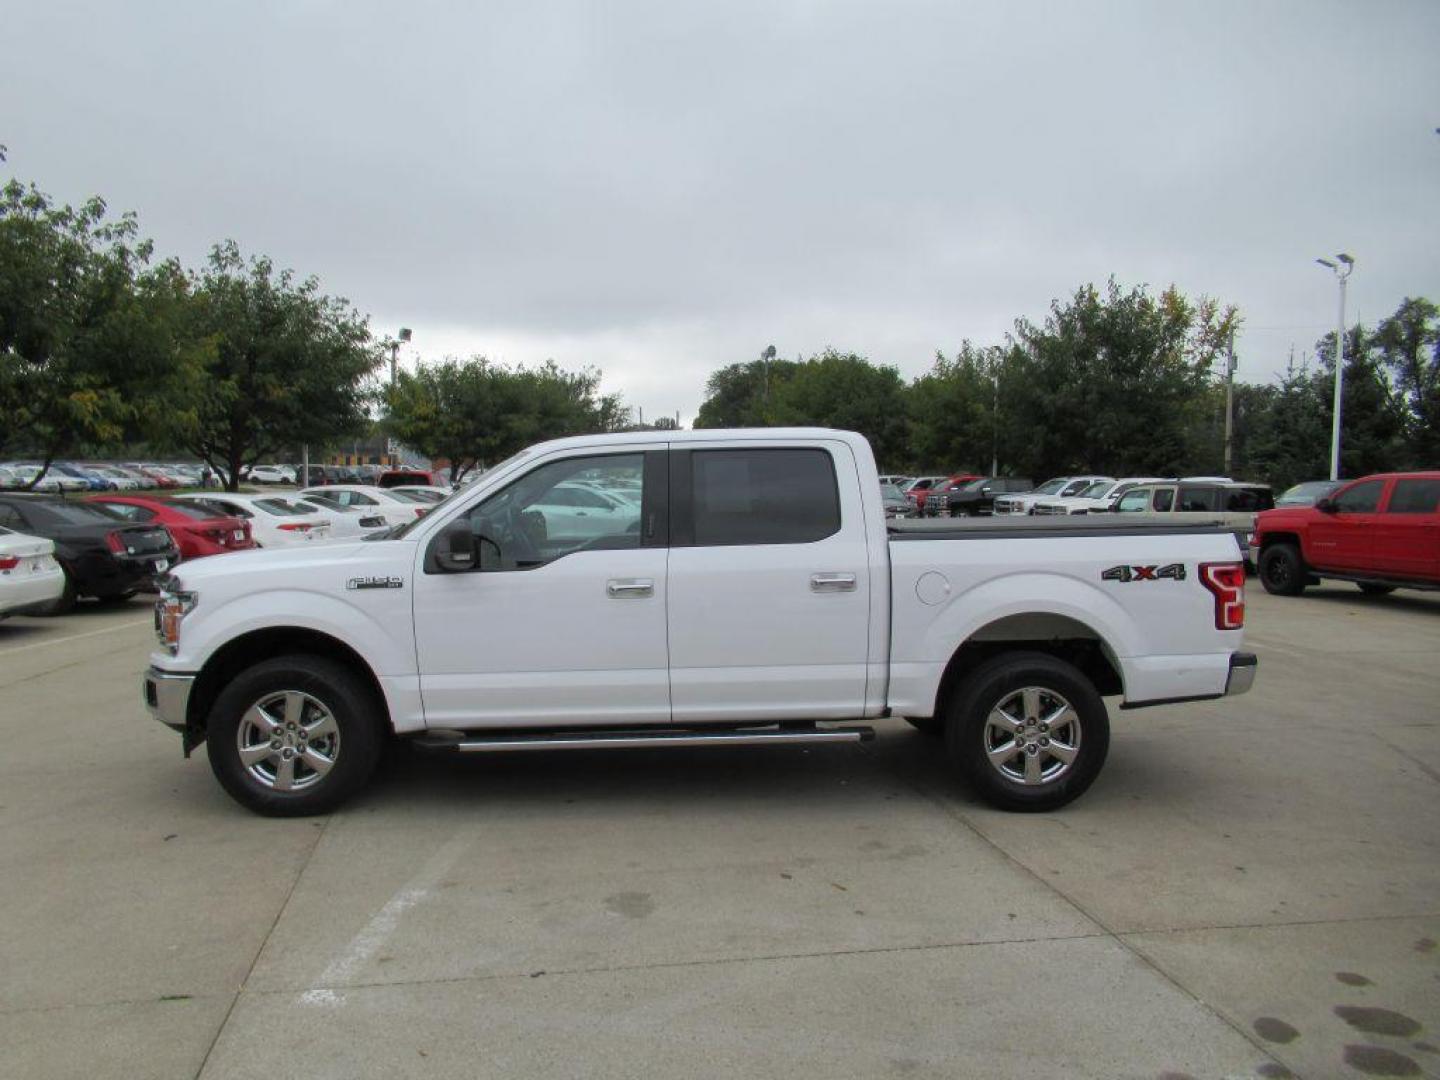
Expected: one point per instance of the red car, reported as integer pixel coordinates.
(197, 531)
(950, 483)
(1381, 532)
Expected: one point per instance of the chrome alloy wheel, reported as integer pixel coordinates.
(288, 741)
(1032, 736)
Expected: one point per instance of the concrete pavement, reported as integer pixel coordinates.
(1251, 889)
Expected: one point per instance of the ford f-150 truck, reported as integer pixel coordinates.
(748, 590)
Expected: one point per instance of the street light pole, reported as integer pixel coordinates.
(1342, 273)
(404, 335)
(767, 356)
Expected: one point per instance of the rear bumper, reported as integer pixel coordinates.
(167, 696)
(1243, 666)
(32, 593)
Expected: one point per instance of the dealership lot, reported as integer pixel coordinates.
(1252, 888)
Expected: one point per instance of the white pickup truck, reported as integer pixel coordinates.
(740, 588)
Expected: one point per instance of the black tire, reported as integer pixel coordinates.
(325, 686)
(927, 725)
(1375, 588)
(1002, 680)
(1282, 571)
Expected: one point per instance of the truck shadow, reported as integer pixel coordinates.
(1401, 600)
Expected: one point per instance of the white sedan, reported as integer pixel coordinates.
(345, 521)
(397, 509)
(30, 578)
(275, 521)
(271, 474)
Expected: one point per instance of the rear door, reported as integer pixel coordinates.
(1407, 531)
(769, 584)
(1344, 539)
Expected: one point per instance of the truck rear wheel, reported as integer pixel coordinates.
(1028, 731)
(1282, 571)
(294, 735)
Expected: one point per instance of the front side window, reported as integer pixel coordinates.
(1361, 498)
(783, 496)
(1414, 496)
(1133, 502)
(546, 514)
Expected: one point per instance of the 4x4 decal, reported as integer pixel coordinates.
(1171, 571)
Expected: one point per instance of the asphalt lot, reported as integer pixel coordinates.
(1252, 888)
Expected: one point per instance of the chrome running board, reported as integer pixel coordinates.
(471, 743)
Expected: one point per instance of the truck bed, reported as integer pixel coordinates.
(1044, 527)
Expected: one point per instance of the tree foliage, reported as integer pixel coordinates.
(284, 364)
(473, 411)
(88, 344)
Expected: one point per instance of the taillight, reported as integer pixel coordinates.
(419, 511)
(9, 562)
(296, 526)
(115, 543)
(1226, 581)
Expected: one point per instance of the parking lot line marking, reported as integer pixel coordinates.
(147, 621)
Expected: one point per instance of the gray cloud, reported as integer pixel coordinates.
(662, 188)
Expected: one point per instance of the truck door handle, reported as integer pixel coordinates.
(832, 582)
(629, 588)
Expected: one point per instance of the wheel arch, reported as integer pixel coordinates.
(1270, 539)
(251, 648)
(1062, 636)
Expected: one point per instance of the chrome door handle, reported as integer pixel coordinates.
(832, 582)
(629, 588)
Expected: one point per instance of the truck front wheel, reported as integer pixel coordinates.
(294, 735)
(1281, 570)
(1028, 731)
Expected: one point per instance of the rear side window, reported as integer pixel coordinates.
(764, 496)
(1360, 499)
(1164, 499)
(1201, 500)
(1414, 497)
(1248, 500)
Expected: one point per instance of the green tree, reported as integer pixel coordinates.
(741, 395)
(845, 391)
(90, 347)
(473, 411)
(1112, 381)
(1409, 346)
(285, 364)
(1372, 414)
(952, 411)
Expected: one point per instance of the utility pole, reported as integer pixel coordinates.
(767, 356)
(995, 420)
(1229, 399)
(1342, 273)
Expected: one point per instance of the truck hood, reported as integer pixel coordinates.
(266, 566)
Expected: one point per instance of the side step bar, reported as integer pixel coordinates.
(471, 743)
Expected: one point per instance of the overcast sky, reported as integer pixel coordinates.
(659, 189)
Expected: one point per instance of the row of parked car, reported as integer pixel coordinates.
(55, 549)
(74, 476)
(967, 495)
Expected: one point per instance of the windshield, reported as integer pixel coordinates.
(70, 513)
(1050, 487)
(281, 508)
(323, 506)
(891, 492)
(1096, 490)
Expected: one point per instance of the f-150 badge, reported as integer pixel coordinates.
(1172, 571)
(375, 583)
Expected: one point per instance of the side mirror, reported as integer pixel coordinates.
(455, 548)
(1326, 506)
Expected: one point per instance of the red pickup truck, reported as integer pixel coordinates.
(1381, 532)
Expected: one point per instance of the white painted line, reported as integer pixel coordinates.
(147, 621)
(374, 934)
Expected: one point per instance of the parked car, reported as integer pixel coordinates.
(275, 521)
(102, 555)
(895, 502)
(1061, 487)
(10, 479)
(52, 481)
(768, 601)
(978, 496)
(271, 474)
(118, 479)
(935, 502)
(345, 521)
(395, 509)
(160, 479)
(91, 481)
(1308, 493)
(919, 489)
(408, 477)
(31, 581)
(430, 493)
(197, 528)
(1099, 498)
(1381, 532)
(1232, 504)
(897, 480)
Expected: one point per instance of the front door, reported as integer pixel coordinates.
(559, 624)
(769, 585)
(1344, 538)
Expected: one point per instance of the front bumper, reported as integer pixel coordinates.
(1243, 666)
(167, 696)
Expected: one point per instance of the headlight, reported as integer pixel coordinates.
(170, 609)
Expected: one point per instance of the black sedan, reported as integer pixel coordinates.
(103, 555)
